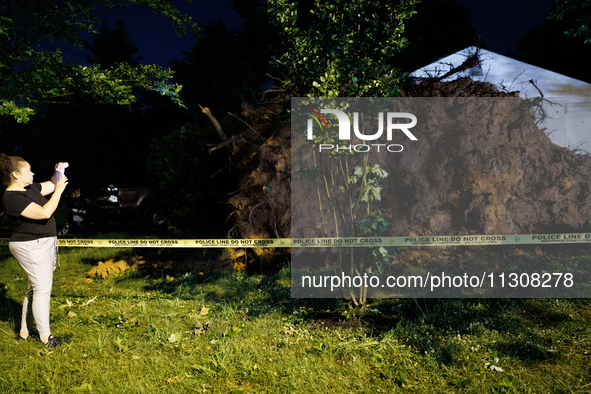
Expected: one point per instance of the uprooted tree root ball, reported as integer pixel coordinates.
(510, 180)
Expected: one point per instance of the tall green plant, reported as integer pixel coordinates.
(352, 191)
(352, 186)
(340, 48)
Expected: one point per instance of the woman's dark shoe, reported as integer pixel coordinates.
(53, 341)
(19, 338)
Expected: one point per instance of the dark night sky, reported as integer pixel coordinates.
(158, 42)
(501, 23)
(155, 36)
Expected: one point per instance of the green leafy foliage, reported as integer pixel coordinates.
(114, 86)
(349, 187)
(372, 190)
(506, 385)
(31, 77)
(21, 114)
(189, 197)
(340, 48)
(374, 223)
(579, 8)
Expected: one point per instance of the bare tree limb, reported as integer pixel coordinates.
(538, 89)
(470, 62)
(215, 122)
(224, 143)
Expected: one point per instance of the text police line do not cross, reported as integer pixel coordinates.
(345, 130)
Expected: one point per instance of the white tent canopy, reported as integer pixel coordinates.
(569, 121)
(507, 74)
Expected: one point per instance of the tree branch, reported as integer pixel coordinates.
(216, 124)
(538, 89)
(470, 62)
(224, 143)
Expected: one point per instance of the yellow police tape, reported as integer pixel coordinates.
(447, 240)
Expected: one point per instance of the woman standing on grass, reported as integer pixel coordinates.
(34, 240)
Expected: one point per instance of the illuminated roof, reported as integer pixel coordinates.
(507, 74)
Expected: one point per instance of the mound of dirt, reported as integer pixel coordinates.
(149, 267)
(507, 179)
(115, 266)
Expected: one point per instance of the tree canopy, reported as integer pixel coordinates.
(340, 49)
(112, 46)
(581, 9)
(554, 45)
(32, 76)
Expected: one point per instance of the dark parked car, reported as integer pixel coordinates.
(138, 203)
(91, 210)
(110, 207)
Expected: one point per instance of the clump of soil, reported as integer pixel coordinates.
(159, 265)
(115, 266)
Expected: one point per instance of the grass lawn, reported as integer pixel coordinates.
(170, 331)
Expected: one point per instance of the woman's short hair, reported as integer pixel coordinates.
(8, 164)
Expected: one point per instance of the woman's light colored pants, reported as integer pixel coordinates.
(38, 259)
